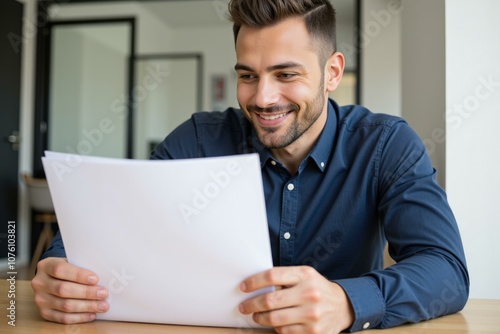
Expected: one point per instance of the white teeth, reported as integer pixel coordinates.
(269, 118)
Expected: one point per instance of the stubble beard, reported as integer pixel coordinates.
(268, 136)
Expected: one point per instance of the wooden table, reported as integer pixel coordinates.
(479, 316)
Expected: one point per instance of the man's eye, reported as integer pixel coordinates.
(286, 75)
(246, 76)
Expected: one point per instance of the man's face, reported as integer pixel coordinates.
(280, 83)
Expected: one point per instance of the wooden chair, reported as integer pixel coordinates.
(41, 202)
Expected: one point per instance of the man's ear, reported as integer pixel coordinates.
(334, 69)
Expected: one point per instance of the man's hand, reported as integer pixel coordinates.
(67, 294)
(306, 302)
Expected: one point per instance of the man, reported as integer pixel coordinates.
(338, 182)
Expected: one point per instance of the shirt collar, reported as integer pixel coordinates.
(264, 153)
(320, 152)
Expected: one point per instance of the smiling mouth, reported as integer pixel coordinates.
(272, 117)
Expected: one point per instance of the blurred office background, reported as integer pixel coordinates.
(112, 78)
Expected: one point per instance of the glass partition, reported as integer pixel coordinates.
(87, 107)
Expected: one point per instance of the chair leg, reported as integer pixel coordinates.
(48, 239)
(43, 243)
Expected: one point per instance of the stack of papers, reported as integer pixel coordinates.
(170, 240)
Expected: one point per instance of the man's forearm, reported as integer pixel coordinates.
(422, 287)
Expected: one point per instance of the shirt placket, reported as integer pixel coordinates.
(288, 221)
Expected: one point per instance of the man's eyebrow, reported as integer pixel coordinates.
(242, 67)
(282, 66)
(271, 68)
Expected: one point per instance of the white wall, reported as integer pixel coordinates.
(472, 144)
(152, 35)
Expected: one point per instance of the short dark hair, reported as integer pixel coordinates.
(318, 15)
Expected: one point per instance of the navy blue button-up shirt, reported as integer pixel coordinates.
(368, 179)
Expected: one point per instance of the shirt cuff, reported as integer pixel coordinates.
(367, 302)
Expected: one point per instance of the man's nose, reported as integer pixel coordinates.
(267, 93)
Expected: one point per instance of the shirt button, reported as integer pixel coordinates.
(273, 162)
(366, 325)
(287, 235)
(290, 186)
(322, 164)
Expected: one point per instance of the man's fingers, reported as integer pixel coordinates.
(65, 289)
(287, 277)
(269, 301)
(275, 319)
(67, 294)
(69, 311)
(62, 270)
(277, 276)
(278, 318)
(292, 329)
(295, 320)
(66, 318)
(65, 280)
(72, 305)
(308, 302)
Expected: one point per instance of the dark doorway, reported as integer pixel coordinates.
(11, 13)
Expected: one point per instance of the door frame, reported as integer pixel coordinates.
(197, 56)
(12, 69)
(42, 82)
(187, 55)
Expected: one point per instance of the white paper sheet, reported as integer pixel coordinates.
(170, 240)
